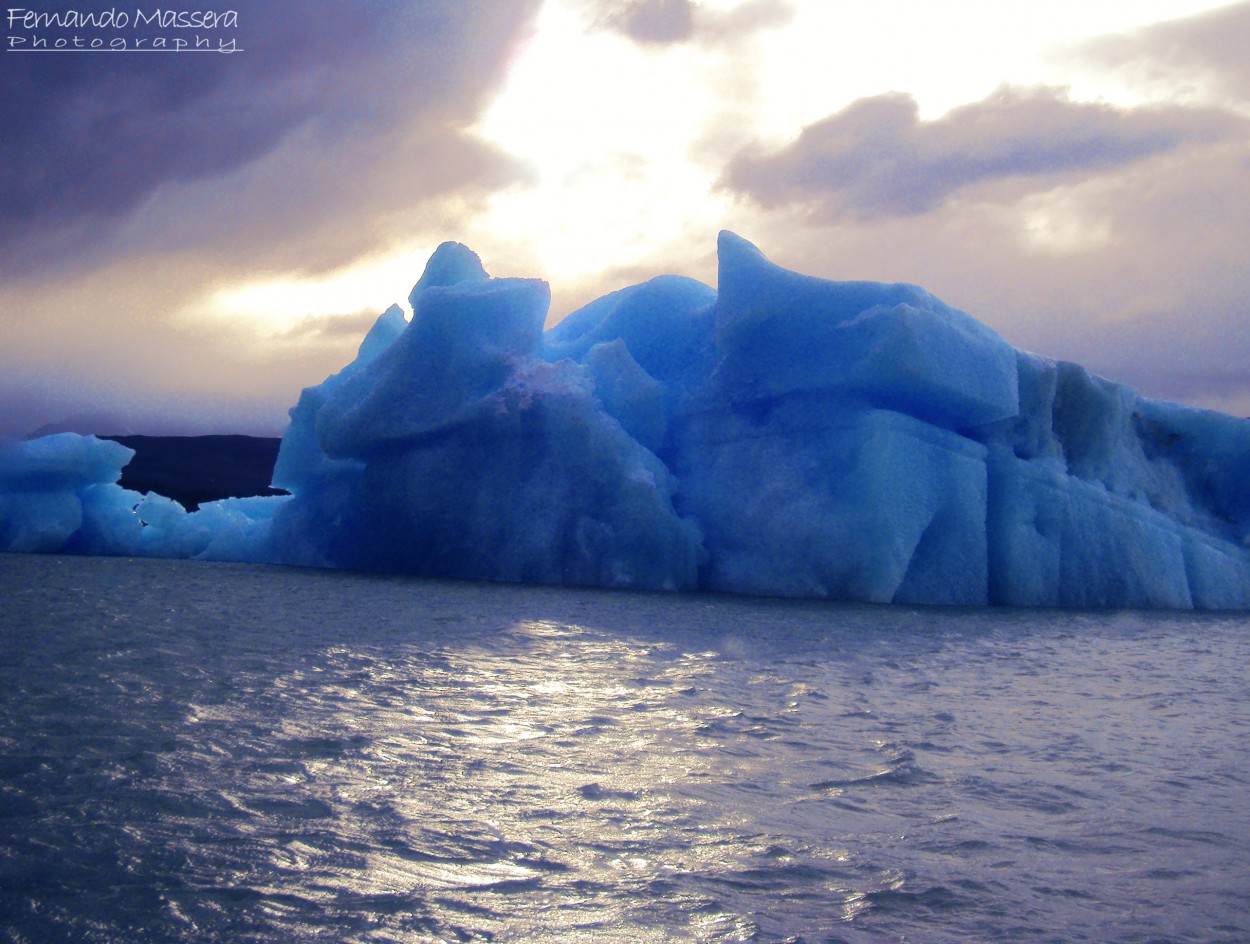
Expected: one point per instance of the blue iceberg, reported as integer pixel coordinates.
(782, 435)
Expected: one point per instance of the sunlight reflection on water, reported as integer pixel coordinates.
(199, 752)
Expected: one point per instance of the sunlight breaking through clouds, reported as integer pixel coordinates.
(582, 141)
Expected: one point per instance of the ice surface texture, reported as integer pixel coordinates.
(783, 435)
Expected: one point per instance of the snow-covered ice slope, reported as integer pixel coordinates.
(782, 435)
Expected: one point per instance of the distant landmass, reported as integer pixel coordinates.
(197, 469)
(87, 424)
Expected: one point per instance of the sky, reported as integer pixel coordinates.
(188, 238)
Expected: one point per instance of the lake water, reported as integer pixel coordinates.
(202, 752)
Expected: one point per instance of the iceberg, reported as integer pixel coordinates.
(59, 494)
(780, 435)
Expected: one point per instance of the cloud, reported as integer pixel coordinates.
(1203, 53)
(745, 19)
(653, 21)
(342, 327)
(668, 22)
(138, 186)
(877, 158)
(91, 139)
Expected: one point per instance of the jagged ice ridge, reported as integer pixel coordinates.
(783, 435)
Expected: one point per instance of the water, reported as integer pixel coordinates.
(198, 752)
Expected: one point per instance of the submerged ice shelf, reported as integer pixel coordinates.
(782, 435)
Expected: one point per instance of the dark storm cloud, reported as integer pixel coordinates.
(877, 158)
(1210, 47)
(666, 22)
(91, 137)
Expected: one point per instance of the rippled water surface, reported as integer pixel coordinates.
(200, 752)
